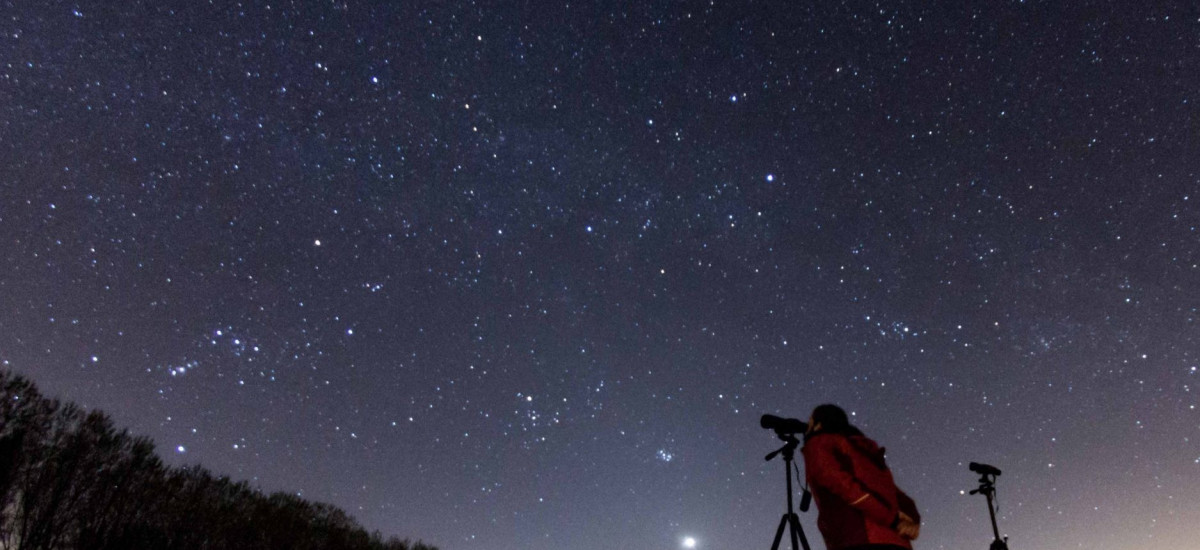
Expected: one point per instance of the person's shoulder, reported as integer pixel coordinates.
(863, 442)
(866, 446)
(824, 440)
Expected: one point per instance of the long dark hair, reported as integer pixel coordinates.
(833, 420)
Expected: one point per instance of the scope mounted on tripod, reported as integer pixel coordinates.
(987, 487)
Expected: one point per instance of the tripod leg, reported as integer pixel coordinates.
(779, 532)
(796, 530)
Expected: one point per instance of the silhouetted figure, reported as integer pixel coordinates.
(859, 506)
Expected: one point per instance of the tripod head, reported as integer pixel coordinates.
(987, 485)
(789, 448)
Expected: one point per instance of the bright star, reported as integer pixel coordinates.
(689, 542)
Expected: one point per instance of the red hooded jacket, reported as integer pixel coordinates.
(857, 500)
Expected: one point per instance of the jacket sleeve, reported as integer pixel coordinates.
(907, 505)
(826, 471)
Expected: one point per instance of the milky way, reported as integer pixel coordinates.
(524, 275)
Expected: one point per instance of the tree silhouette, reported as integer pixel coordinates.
(70, 479)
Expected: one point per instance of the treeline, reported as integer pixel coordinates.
(70, 480)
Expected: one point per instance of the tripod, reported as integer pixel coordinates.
(790, 518)
(987, 487)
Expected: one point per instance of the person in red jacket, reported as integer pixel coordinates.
(859, 506)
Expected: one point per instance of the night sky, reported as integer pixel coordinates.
(524, 275)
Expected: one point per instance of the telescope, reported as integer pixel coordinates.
(983, 469)
(783, 426)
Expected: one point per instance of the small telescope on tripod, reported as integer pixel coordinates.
(987, 487)
(786, 429)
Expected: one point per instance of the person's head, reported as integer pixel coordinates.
(829, 419)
